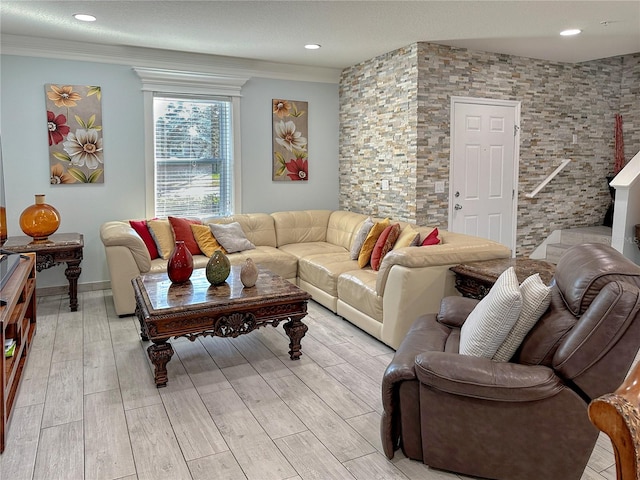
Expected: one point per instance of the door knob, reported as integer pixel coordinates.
(458, 206)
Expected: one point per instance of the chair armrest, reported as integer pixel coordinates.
(486, 379)
(455, 310)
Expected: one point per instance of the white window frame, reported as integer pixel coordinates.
(174, 82)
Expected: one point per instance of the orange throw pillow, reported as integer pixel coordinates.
(384, 244)
(182, 231)
(370, 242)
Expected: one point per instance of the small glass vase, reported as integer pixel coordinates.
(39, 220)
(218, 268)
(180, 266)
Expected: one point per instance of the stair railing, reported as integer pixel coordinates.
(564, 163)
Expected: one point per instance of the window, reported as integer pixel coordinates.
(192, 156)
(192, 142)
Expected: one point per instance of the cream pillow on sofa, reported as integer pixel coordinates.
(536, 297)
(231, 237)
(492, 319)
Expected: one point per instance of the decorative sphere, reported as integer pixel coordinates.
(218, 268)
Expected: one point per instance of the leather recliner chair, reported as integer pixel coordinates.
(527, 418)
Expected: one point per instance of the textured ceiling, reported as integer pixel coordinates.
(349, 31)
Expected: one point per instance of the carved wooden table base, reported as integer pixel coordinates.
(196, 308)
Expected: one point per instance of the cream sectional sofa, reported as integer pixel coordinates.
(311, 248)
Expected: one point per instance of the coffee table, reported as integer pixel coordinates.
(197, 308)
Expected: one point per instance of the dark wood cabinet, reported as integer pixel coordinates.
(17, 323)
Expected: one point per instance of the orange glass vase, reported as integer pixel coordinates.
(39, 220)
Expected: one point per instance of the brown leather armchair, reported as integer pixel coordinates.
(526, 418)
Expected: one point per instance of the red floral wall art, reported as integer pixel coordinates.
(74, 126)
(290, 134)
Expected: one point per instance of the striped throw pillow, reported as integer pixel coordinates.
(493, 318)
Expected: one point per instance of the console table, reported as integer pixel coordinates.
(59, 248)
(475, 279)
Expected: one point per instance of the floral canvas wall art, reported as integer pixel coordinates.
(74, 125)
(290, 138)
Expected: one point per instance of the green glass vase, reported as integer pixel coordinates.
(218, 268)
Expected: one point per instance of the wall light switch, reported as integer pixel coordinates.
(385, 184)
(439, 187)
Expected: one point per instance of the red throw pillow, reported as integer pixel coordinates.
(182, 231)
(141, 228)
(384, 244)
(431, 239)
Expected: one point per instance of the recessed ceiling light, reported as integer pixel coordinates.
(312, 46)
(570, 32)
(83, 17)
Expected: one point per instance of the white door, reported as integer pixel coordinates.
(482, 198)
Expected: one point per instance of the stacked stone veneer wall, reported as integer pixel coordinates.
(630, 105)
(395, 116)
(378, 135)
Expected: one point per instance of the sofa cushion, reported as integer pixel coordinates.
(301, 250)
(360, 237)
(142, 229)
(182, 232)
(357, 288)
(385, 243)
(370, 242)
(536, 297)
(163, 236)
(205, 239)
(271, 258)
(491, 320)
(322, 271)
(301, 226)
(258, 227)
(231, 237)
(343, 226)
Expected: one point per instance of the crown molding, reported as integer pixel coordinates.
(163, 59)
(173, 81)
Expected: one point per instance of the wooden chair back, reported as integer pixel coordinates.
(618, 415)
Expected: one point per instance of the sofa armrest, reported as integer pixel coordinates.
(486, 379)
(120, 234)
(465, 248)
(455, 310)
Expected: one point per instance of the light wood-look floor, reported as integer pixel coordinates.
(233, 408)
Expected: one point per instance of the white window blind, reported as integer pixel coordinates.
(193, 156)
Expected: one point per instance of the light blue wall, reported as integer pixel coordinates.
(259, 193)
(84, 208)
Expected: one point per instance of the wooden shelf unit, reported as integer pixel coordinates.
(17, 321)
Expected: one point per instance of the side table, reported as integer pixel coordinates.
(59, 248)
(475, 279)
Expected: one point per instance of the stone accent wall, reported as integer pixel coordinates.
(557, 101)
(378, 135)
(630, 104)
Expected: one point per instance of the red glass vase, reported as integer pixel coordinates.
(180, 266)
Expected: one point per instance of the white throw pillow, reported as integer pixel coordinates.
(489, 323)
(536, 297)
(231, 237)
(360, 237)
